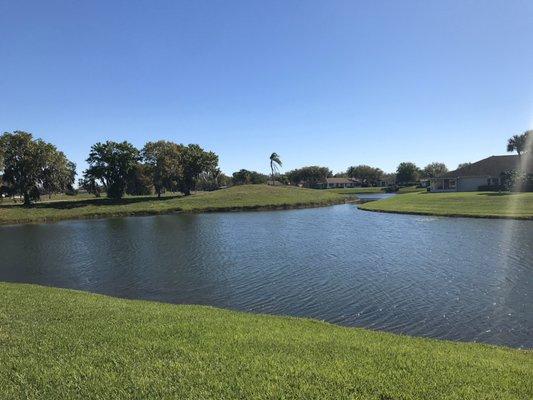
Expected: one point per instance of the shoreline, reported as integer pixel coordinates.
(451, 215)
(170, 211)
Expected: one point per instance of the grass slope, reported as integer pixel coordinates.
(245, 197)
(62, 344)
(468, 204)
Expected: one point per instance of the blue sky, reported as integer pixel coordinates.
(332, 83)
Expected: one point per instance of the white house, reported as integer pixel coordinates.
(486, 172)
(330, 183)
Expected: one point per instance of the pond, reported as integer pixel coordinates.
(452, 278)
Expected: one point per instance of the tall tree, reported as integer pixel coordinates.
(275, 163)
(367, 174)
(34, 166)
(164, 163)
(521, 143)
(112, 163)
(407, 172)
(194, 160)
(462, 165)
(434, 169)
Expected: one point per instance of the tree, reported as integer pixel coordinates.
(407, 172)
(521, 143)
(139, 181)
(111, 164)
(434, 169)
(309, 176)
(245, 177)
(60, 173)
(90, 185)
(33, 166)
(463, 165)
(275, 163)
(193, 161)
(368, 175)
(212, 180)
(164, 164)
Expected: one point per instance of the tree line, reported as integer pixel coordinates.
(32, 167)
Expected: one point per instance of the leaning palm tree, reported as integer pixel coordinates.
(275, 162)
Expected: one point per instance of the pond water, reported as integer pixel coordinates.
(453, 278)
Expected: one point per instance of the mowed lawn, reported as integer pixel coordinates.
(470, 204)
(63, 344)
(246, 197)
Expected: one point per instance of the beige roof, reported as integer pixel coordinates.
(491, 166)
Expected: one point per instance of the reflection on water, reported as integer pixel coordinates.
(464, 279)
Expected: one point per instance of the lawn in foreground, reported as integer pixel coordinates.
(469, 204)
(63, 344)
(246, 197)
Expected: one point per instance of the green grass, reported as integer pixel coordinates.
(357, 190)
(62, 344)
(411, 189)
(247, 197)
(467, 204)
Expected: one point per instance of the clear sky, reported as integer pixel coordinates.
(332, 83)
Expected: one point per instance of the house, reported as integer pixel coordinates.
(484, 173)
(331, 183)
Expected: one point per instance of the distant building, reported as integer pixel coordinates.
(332, 183)
(484, 173)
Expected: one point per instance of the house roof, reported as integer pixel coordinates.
(491, 166)
(340, 180)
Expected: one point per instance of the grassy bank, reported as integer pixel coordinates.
(61, 344)
(246, 197)
(468, 204)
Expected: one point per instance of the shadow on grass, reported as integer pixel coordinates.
(499, 194)
(72, 204)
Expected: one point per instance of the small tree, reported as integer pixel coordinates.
(112, 163)
(512, 179)
(407, 172)
(90, 186)
(212, 180)
(245, 177)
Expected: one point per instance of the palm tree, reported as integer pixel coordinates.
(275, 162)
(517, 142)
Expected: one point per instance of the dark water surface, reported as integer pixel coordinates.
(453, 278)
